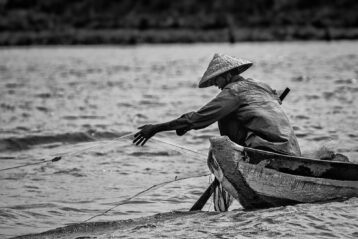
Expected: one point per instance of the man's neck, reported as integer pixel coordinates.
(234, 78)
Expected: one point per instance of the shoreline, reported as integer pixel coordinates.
(159, 36)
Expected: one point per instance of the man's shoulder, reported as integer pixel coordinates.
(249, 87)
(242, 85)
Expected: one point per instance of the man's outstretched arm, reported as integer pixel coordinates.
(149, 130)
(223, 104)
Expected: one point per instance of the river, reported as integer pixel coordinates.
(56, 100)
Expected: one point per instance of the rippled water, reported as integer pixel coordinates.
(58, 100)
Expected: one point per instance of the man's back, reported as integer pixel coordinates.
(259, 120)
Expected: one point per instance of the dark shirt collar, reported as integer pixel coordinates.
(235, 78)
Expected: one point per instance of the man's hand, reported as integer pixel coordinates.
(146, 132)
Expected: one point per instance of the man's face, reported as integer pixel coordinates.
(220, 82)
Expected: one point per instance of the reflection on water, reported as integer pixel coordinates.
(62, 99)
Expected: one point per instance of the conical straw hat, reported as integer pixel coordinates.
(220, 64)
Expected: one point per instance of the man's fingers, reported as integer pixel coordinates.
(137, 138)
(136, 141)
(141, 138)
(144, 142)
(140, 141)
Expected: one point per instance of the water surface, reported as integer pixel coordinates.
(55, 100)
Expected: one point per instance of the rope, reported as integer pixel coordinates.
(59, 157)
(151, 188)
(95, 146)
(178, 146)
(31, 164)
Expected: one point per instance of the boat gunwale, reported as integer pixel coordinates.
(321, 161)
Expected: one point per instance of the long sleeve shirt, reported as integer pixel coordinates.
(250, 114)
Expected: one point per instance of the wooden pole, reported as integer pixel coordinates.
(206, 195)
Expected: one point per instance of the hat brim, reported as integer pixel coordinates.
(209, 80)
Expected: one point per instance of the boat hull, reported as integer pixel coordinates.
(257, 184)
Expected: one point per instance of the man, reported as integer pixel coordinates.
(247, 111)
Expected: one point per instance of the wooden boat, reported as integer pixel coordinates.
(261, 179)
